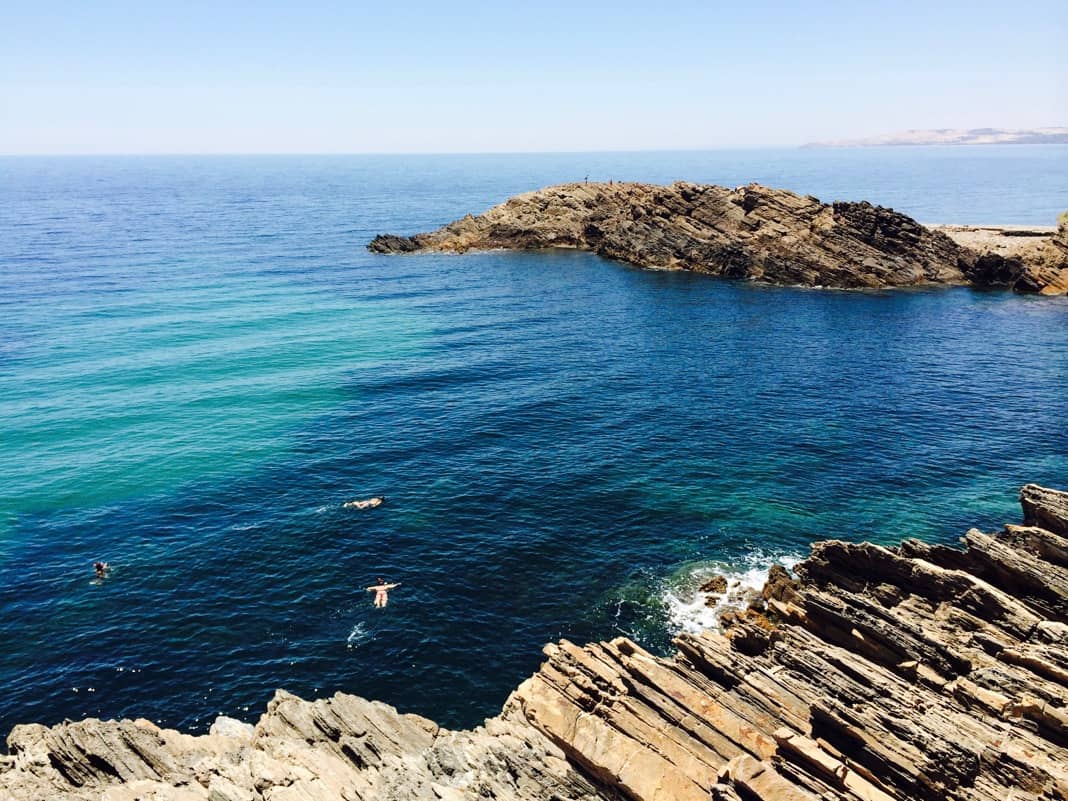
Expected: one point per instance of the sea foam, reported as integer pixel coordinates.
(691, 610)
(358, 636)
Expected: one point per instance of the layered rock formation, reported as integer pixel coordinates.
(915, 672)
(1022, 258)
(342, 747)
(751, 232)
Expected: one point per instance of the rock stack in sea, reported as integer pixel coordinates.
(750, 232)
(874, 673)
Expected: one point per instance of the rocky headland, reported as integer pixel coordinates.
(750, 232)
(873, 673)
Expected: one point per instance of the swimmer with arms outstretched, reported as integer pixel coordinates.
(370, 503)
(381, 591)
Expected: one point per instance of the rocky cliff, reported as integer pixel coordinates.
(750, 232)
(914, 672)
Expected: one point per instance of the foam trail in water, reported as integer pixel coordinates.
(691, 610)
(358, 636)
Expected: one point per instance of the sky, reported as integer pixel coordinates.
(400, 77)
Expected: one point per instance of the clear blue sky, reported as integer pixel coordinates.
(315, 77)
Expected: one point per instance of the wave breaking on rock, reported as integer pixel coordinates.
(697, 599)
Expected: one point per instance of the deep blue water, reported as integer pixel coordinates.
(200, 362)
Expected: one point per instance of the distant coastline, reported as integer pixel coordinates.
(956, 136)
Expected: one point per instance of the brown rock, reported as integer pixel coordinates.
(780, 585)
(757, 233)
(717, 585)
(1022, 258)
(1045, 508)
(751, 232)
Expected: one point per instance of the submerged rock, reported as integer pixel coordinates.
(751, 232)
(915, 672)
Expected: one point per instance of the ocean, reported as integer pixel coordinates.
(200, 363)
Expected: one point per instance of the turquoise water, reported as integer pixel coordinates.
(199, 363)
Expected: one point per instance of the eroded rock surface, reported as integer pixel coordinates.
(873, 673)
(1021, 258)
(751, 232)
(342, 747)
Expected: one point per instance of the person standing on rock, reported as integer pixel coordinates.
(381, 591)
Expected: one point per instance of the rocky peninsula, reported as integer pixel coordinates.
(752, 232)
(873, 673)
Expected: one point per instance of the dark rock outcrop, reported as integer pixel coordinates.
(751, 232)
(1020, 258)
(873, 674)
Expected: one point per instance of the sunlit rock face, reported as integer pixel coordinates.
(751, 232)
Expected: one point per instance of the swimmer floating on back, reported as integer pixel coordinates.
(381, 591)
(370, 503)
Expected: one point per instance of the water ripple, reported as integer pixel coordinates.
(199, 364)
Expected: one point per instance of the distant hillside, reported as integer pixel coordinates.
(958, 136)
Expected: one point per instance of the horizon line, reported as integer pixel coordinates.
(611, 151)
(409, 152)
